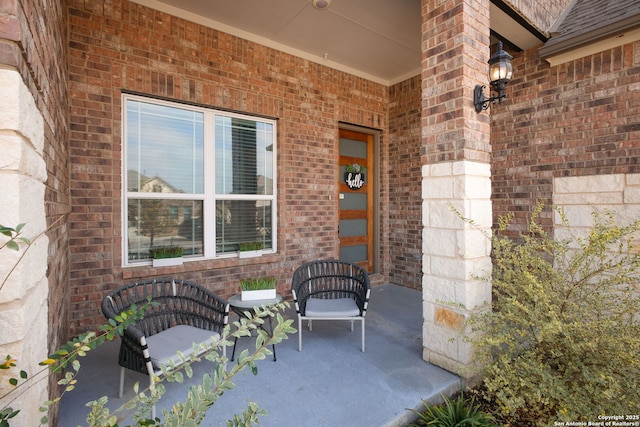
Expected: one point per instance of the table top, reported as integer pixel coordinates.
(237, 302)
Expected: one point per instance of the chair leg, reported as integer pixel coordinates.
(150, 371)
(121, 389)
(299, 333)
(351, 325)
(363, 334)
(153, 408)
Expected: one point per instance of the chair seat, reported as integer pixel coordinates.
(164, 345)
(340, 307)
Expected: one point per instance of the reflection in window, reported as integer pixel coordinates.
(242, 221)
(244, 156)
(152, 224)
(165, 149)
(194, 175)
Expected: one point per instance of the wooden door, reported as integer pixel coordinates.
(356, 198)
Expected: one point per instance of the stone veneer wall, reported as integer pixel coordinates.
(579, 197)
(456, 255)
(23, 290)
(34, 172)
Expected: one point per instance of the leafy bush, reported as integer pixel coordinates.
(14, 235)
(562, 342)
(454, 413)
(192, 411)
(201, 396)
(64, 361)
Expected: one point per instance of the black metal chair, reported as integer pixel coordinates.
(330, 290)
(186, 314)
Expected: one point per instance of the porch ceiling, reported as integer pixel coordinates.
(375, 39)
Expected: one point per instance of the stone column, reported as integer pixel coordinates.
(455, 175)
(24, 286)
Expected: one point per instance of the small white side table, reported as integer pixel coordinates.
(239, 307)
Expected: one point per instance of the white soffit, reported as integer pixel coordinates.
(508, 28)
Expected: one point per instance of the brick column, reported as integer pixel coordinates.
(455, 173)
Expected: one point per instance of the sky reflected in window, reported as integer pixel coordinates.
(166, 143)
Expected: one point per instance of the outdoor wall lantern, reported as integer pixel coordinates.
(500, 72)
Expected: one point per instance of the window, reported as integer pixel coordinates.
(197, 178)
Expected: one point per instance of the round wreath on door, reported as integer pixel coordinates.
(354, 176)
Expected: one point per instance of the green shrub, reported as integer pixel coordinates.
(65, 363)
(200, 397)
(15, 237)
(454, 413)
(562, 342)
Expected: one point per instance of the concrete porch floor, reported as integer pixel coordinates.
(331, 383)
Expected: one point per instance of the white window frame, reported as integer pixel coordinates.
(209, 198)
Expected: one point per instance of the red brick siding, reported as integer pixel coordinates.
(542, 14)
(405, 184)
(575, 119)
(455, 40)
(130, 47)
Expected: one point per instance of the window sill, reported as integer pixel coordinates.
(143, 270)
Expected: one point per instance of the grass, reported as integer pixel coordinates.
(166, 252)
(258, 284)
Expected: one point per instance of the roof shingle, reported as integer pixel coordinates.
(590, 20)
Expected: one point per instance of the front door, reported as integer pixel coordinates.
(356, 186)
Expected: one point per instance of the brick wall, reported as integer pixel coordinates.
(541, 13)
(577, 119)
(33, 42)
(405, 218)
(127, 46)
(454, 55)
